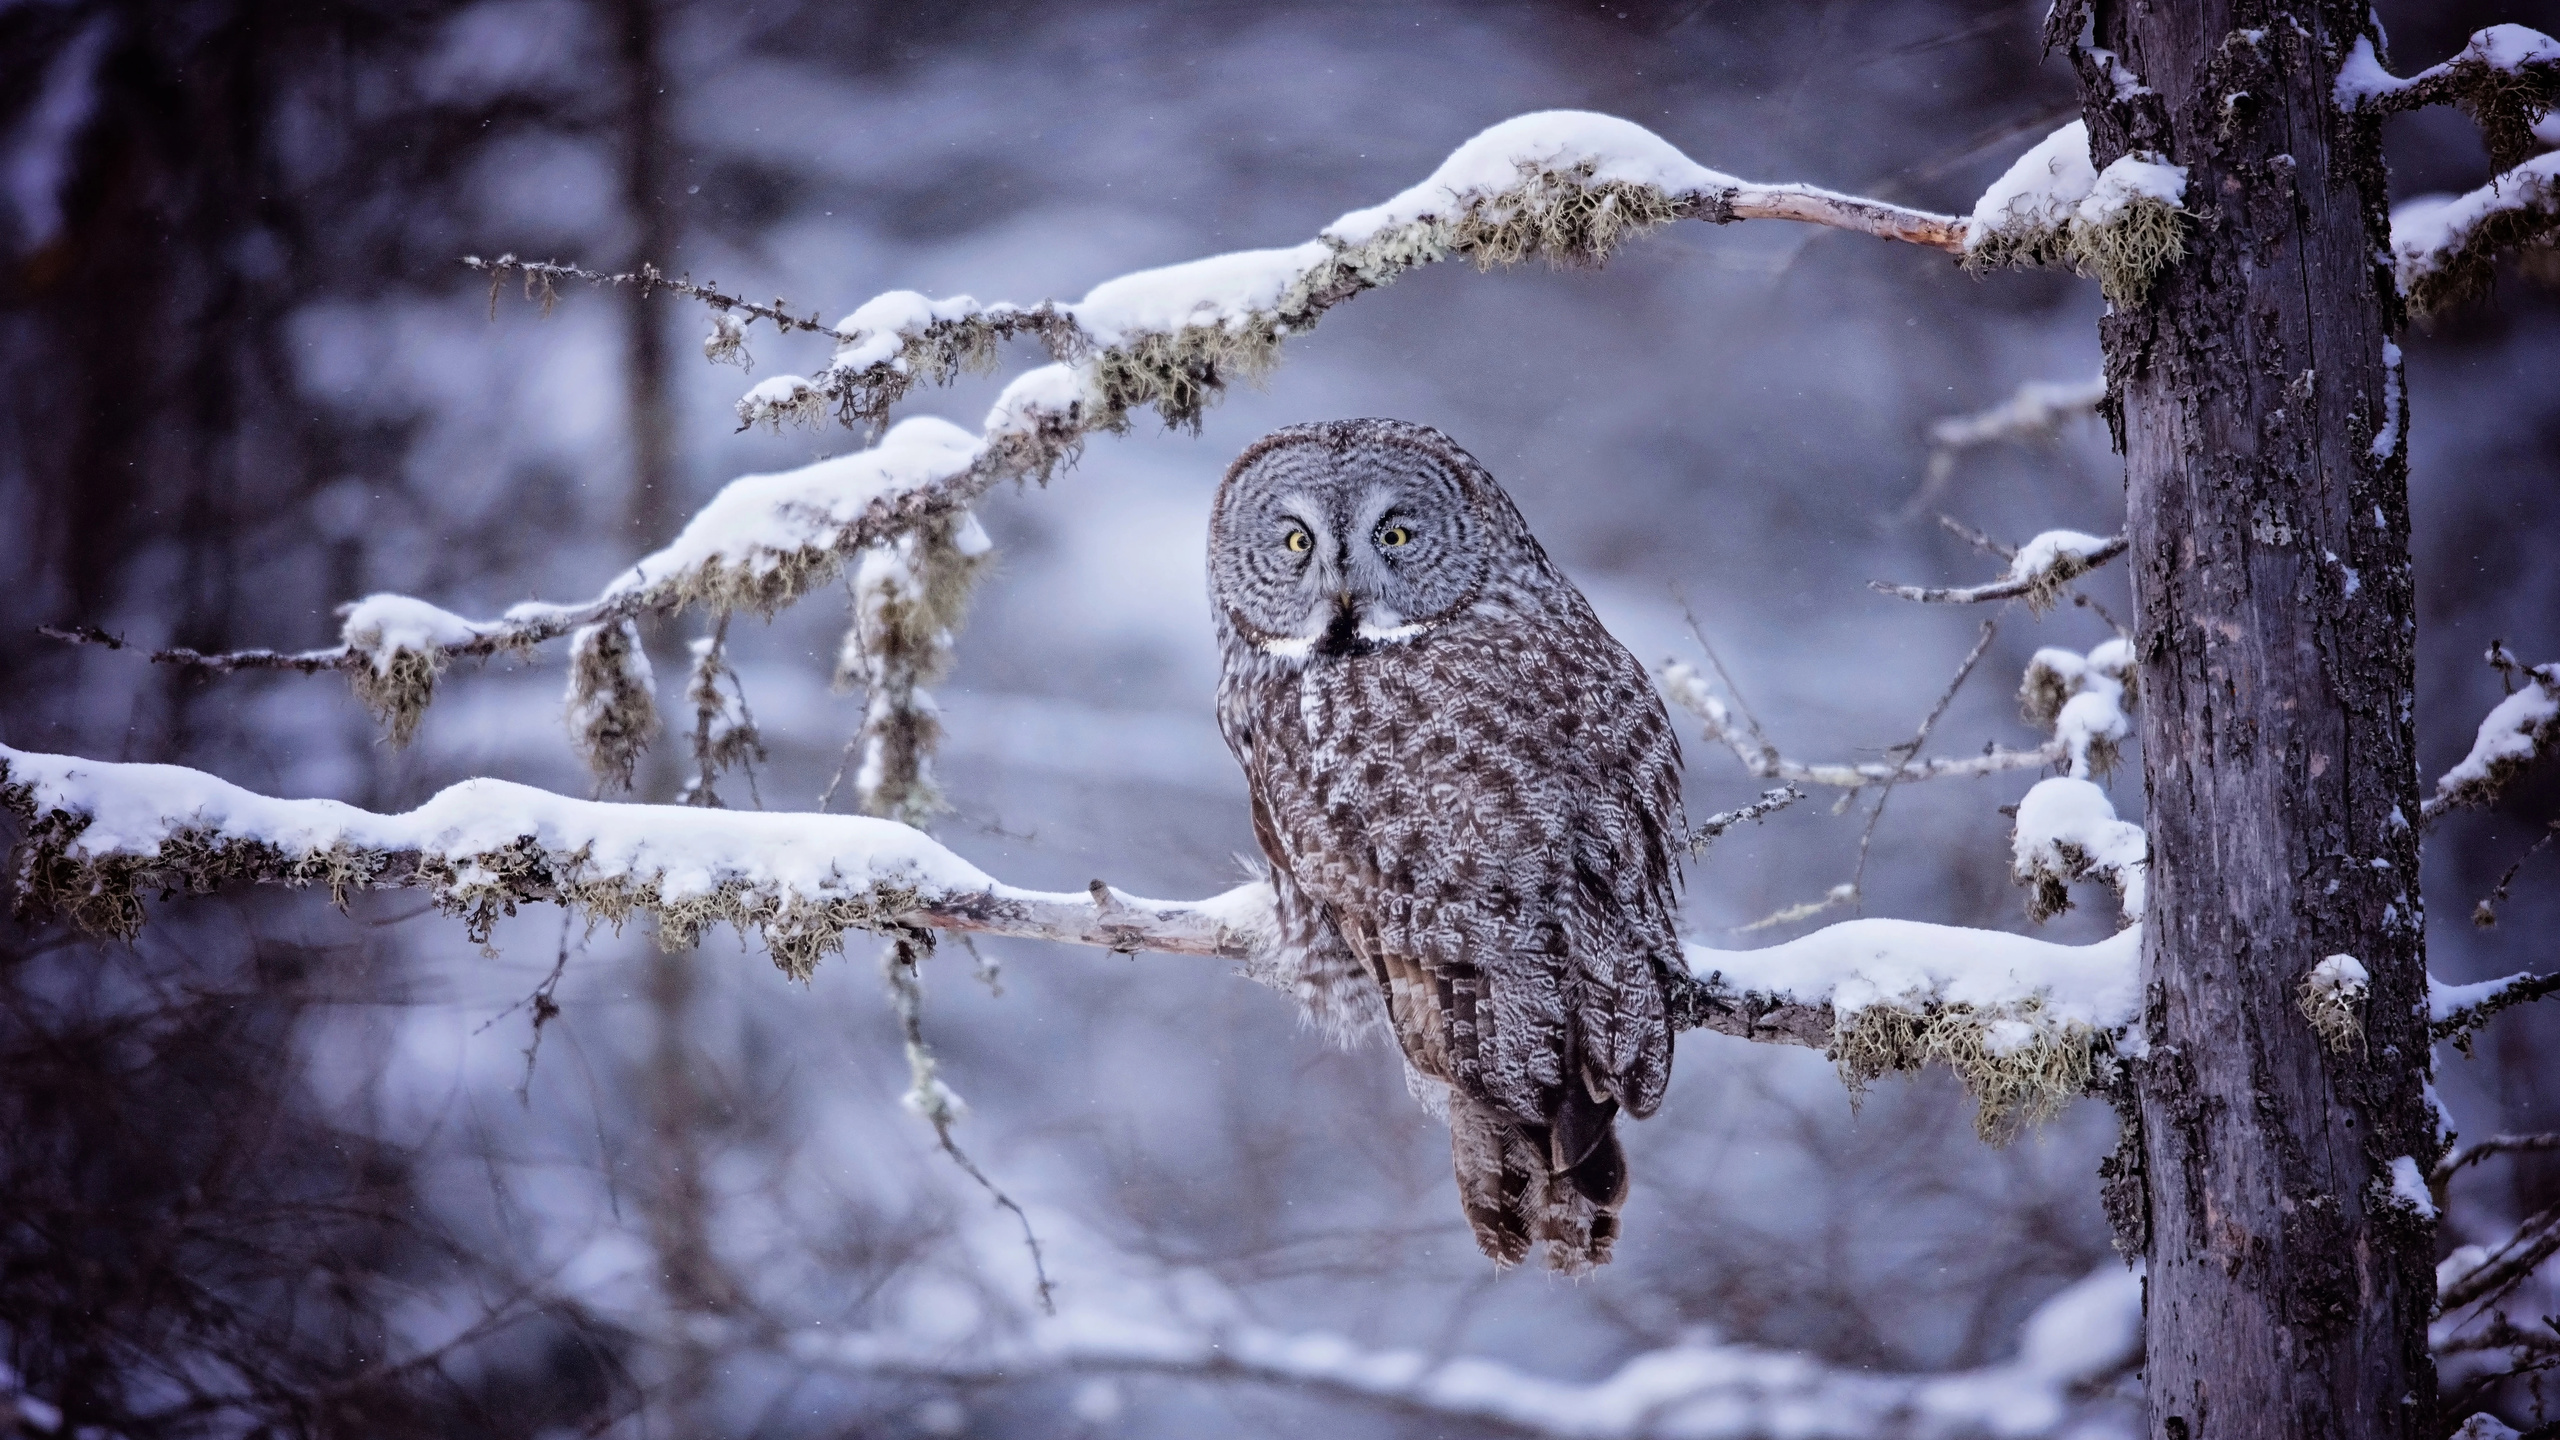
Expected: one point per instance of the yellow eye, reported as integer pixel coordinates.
(1298, 542)
(1394, 535)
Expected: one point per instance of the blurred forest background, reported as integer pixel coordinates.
(274, 1166)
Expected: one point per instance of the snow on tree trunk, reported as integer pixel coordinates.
(2289, 1286)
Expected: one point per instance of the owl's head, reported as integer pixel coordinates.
(1333, 537)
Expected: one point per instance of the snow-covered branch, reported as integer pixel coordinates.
(2505, 78)
(2037, 572)
(2003, 1009)
(2443, 247)
(2120, 226)
(2515, 733)
(2475, 1273)
(99, 836)
(2075, 1346)
(2036, 410)
(1566, 186)
(2454, 1011)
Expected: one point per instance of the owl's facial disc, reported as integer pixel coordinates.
(1322, 551)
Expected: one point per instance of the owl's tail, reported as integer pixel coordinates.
(1561, 1183)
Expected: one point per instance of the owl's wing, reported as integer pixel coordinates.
(1618, 915)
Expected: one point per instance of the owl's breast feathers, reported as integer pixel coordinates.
(1486, 814)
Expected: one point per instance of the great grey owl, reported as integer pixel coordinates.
(1470, 799)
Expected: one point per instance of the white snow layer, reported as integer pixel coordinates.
(1910, 964)
(2067, 827)
(1553, 140)
(2409, 1187)
(2041, 555)
(880, 328)
(2341, 975)
(2040, 191)
(1049, 392)
(1227, 291)
(2130, 178)
(1699, 1389)
(380, 627)
(759, 522)
(2510, 734)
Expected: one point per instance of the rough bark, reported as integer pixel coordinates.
(2288, 1293)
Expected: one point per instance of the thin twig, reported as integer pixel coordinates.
(1909, 750)
(2485, 914)
(1706, 832)
(1698, 633)
(929, 1098)
(648, 277)
(1975, 538)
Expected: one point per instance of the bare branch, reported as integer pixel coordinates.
(2037, 572)
(1842, 212)
(1689, 691)
(2485, 914)
(2037, 410)
(1975, 538)
(1910, 749)
(2453, 1164)
(2514, 734)
(1696, 1387)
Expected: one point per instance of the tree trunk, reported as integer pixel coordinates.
(2288, 1291)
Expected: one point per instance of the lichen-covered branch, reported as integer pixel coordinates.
(2517, 731)
(2444, 248)
(909, 596)
(761, 543)
(2037, 572)
(1567, 187)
